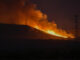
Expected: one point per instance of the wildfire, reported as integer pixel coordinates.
(25, 13)
(54, 33)
(41, 23)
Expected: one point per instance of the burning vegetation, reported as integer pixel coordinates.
(25, 13)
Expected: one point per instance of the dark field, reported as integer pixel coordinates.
(39, 49)
(15, 44)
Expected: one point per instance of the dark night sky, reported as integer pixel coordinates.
(61, 11)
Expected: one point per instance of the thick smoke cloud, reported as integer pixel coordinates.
(10, 11)
(20, 12)
(23, 12)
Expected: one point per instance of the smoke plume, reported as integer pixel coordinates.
(22, 12)
(19, 12)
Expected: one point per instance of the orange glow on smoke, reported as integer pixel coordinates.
(52, 32)
(41, 23)
(25, 13)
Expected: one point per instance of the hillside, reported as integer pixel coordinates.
(10, 31)
(20, 42)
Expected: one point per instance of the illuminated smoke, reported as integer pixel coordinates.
(25, 13)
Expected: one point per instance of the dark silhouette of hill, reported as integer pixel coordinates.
(23, 32)
(19, 42)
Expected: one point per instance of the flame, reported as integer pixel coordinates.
(25, 13)
(41, 23)
(54, 33)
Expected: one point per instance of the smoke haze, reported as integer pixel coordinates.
(23, 12)
(18, 11)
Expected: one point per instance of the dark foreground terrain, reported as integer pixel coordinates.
(39, 49)
(15, 44)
